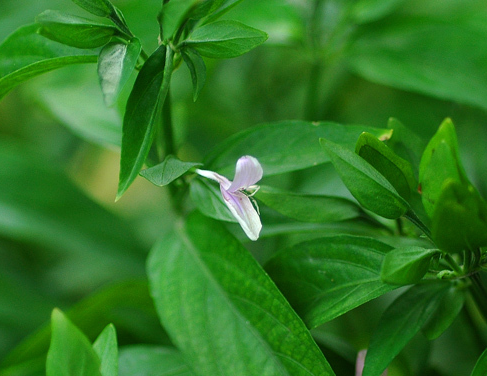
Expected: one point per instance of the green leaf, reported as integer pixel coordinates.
(70, 353)
(481, 365)
(73, 30)
(440, 161)
(102, 8)
(166, 172)
(209, 200)
(327, 277)
(106, 348)
(26, 54)
(146, 360)
(459, 218)
(222, 310)
(364, 11)
(309, 208)
(197, 68)
(367, 185)
(139, 123)
(173, 14)
(284, 146)
(404, 266)
(115, 65)
(448, 310)
(395, 169)
(400, 322)
(225, 39)
(403, 53)
(205, 8)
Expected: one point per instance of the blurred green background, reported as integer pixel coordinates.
(62, 237)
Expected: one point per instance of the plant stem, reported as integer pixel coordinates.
(453, 263)
(411, 215)
(479, 294)
(169, 144)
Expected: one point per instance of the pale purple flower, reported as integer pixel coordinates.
(237, 194)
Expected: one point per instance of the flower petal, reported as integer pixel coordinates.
(224, 182)
(242, 209)
(247, 173)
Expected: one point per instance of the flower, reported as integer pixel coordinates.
(237, 195)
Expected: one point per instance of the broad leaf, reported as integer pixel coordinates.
(225, 39)
(197, 68)
(327, 277)
(403, 266)
(284, 146)
(309, 208)
(139, 123)
(70, 353)
(115, 65)
(222, 310)
(102, 8)
(106, 348)
(209, 200)
(145, 360)
(366, 184)
(481, 365)
(400, 322)
(73, 30)
(26, 54)
(167, 171)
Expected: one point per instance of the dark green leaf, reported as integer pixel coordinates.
(106, 348)
(395, 169)
(102, 8)
(327, 277)
(115, 65)
(145, 360)
(167, 171)
(139, 123)
(73, 30)
(459, 218)
(400, 322)
(481, 365)
(222, 310)
(366, 184)
(70, 353)
(309, 208)
(284, 146)
(26, 54)
(404, 266)
(208, 199)
(225, 39)
(197, 68)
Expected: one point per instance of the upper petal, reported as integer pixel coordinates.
(245, 213)
(224, 182)
(247, 173)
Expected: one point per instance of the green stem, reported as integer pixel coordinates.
(479, 294)
(170, 147)
(411, 216)
(454, 265)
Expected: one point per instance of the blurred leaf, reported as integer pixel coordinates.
(166, 172)
(205, 8)
(395, 169)
(102, 8)
(73, 30)
(197, 68)
(371, 10)
(367, 185)
(225, 39)
(284, 146)
(26, 54)
(404, 266)
(441, 58)
(327, 277)
(143, 105)
(209, 200)
(115, 65)
(309, 208)
(459, 218)
(448, 310)
(481, 365)
(106, 348)
(222, 310)
(70, 353)
(400, 322)
(144, 360)
(173, 14)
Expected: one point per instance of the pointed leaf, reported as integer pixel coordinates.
(115, 65)
(102, 8)
(222, 310)
(366, 184)
(197, 68)
(26, 54)
(404, 266)
(70, 353)
(166, 172)
(327, 277)
(106, 348)
(225, 39)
